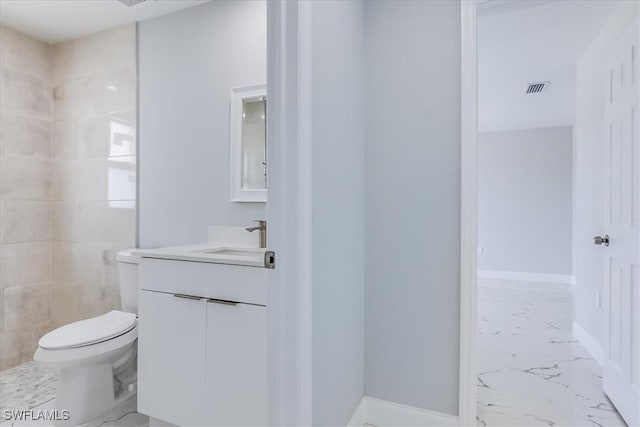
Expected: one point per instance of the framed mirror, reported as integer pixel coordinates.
(248, 144)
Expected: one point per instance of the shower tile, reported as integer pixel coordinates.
(25, 178)
(26, 305)
(25, 136)
(111, 298)
(92, 300)
(25, 221)
(65, 302)
(105, 93)
(94, 135)
(73, 60)
(20, 52)
(25, 94)
(24, 263)
(10, 349)
(70, 221)
(94, 222)
(107, 135)
(78, 180)
(120, 178)
(67, 177)
(18, 346)
(117, 91)
(112, 278)
(79, 263)
(112, 224)
(1, 307)
(65, 140)
(63, 59)
(93, 54)
(73, 99)
(25, 191)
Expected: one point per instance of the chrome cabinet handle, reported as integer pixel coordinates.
(187, 296)
(222, 301)
(601, 240)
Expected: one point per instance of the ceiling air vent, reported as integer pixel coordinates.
(130, 3)
(536, 87)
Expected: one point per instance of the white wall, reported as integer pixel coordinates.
(412, 182)
(590, 136)
(338, 210)
(525, 200)
(188, 63)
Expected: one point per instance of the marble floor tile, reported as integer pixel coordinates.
(27, 386)
(531, 371)
(32, 386)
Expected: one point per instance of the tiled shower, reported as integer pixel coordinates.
(67, 181)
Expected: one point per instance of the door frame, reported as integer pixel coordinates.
(289, 211)
(468, 214)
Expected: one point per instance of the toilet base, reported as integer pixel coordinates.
(94, 379)
(87, 393)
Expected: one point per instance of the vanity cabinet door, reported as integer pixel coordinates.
(171, 357)
(236, 364)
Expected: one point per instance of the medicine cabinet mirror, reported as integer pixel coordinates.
(248, 144)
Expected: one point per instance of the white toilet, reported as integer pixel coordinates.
(97, 356)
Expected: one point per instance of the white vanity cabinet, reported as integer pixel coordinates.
(171, 357)
(202, 343)
(236, 376)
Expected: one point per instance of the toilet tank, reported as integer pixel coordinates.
(128, 274)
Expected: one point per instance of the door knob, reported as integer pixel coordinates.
(601, 240)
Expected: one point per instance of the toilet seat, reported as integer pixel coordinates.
(89, 331)
(89, 354)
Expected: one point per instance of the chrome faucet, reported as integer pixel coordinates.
(262, 226)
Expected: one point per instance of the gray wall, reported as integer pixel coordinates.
(338, 210)
(413, 203)
(525, 200)
(188, 63)
(589, 191)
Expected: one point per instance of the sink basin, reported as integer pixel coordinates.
(234, 252)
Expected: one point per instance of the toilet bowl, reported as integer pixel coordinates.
(96, 356)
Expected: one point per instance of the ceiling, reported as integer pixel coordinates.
(522, 41)
(53, 21)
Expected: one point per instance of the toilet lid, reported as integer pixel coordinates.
(89, 331)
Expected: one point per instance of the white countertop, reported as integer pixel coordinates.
(211, 252)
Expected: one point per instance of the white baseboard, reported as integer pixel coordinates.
(154, 422)
(359, 418)
(588, 342)
(383, 413)
(565, 279)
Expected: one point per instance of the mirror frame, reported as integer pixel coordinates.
(238, 95)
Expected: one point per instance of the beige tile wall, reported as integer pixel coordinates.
(26, 114)
(67, 181)
(94, 165)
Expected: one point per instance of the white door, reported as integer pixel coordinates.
(622, 223)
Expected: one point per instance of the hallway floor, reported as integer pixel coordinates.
(531, 371)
